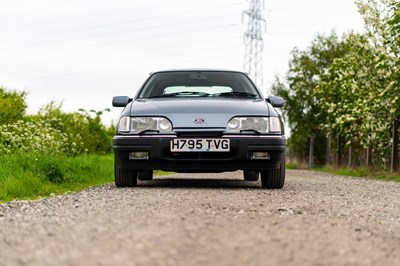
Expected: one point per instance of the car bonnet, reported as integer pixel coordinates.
(200, 112)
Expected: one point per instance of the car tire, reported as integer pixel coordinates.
(273, 178)
(250, 175)
(145, 175)
(125, 177)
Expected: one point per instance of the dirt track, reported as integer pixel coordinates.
(203, 219)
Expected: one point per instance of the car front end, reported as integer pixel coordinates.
(199, 121)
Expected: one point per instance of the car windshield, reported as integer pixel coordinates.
(198, 84)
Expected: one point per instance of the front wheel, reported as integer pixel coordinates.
(124, 177)
(273, 178)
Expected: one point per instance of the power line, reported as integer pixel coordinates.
(96, 14)
(130, 21)
(145, 49)
(122, 31)
(153, 37)
(199, 53)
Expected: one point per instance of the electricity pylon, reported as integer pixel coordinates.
(253, 40)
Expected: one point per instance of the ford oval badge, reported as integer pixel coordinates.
(199, 121)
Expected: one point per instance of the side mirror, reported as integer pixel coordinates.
(120, 101)
(276, 101)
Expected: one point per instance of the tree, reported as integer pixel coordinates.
(83, 128)
(302, 109)
(356, 92)
(382, 23)
(12, 106)
(349, 89)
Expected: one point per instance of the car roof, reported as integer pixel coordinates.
(198, 70)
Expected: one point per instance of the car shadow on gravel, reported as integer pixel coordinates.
(199, 183)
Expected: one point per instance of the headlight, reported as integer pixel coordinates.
(259, 124)
(140, 124)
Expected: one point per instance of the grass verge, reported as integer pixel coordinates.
(355, 172)
(361, 172)
(33, 176)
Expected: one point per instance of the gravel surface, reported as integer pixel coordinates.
(209, 219)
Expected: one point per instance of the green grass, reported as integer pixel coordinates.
(292, 166)
(387, 177)
(34, 176)
(356, 172)
(361, 172)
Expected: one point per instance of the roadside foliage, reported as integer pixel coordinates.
(51, 130)
(12, 106)
(344, 93)
(51, 152)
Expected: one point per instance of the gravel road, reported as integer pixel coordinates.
(209, 219)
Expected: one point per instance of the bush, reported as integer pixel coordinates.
(12, 106)
(82, 127)
(39, 138)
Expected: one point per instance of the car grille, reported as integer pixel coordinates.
(195, 156)
(206, 134)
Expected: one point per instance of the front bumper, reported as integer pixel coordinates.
(161, 158)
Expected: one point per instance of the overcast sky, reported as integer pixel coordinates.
(84, 52)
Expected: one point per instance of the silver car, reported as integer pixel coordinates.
(199, 120)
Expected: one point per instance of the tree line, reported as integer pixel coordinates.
(342, 93)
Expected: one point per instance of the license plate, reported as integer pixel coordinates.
(200, 145)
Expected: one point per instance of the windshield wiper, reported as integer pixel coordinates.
(181, 93)
(236, 94)
(161, 96)
(191, 93)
